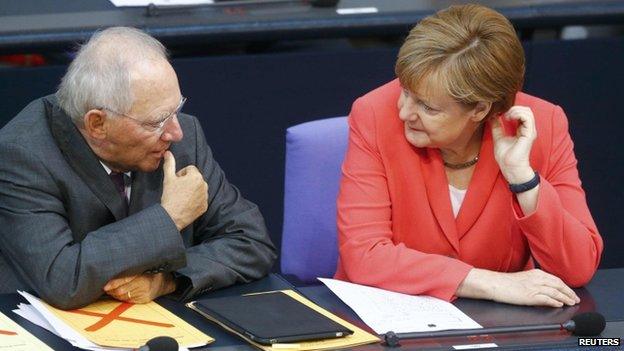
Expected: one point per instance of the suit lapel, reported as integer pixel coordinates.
(481, 184)
(81, 158)
(436, 184)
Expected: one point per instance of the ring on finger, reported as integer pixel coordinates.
(129, 295)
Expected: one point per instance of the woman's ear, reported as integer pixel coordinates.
(95, 124)
(480, 111)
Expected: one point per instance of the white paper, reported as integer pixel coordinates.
(356, 10)
(124, 3)
(475, 346)
(29, 313)
(386, 311)
(62, 329)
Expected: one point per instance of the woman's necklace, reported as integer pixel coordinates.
(462, 165)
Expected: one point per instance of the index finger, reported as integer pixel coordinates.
(117, 282)
(184, 171)
(169, 165)
(524, 115)
(557, 283)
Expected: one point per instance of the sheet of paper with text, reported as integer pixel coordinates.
(384, 310)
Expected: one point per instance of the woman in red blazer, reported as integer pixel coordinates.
(455, 184)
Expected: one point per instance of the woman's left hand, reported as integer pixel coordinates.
(512, 152)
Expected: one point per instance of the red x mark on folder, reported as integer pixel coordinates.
(115, 314)
(6, 332)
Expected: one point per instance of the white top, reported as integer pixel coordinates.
(457, 198)
(128, 186)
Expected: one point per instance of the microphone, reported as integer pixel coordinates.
(584, 324)
(160, 343)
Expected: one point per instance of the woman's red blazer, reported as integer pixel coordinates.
(396, 228)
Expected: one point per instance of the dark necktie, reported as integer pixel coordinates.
(119, 180)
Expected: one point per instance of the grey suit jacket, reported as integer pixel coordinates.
(62, 228)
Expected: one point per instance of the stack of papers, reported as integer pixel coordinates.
(385, 311)
(111, 325)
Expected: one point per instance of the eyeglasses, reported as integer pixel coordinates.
(154, 126)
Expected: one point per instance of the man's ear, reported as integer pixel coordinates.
(481, 110)
(95, 124)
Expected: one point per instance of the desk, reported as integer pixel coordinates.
(603, 295)
(37, 25)
(223, 340)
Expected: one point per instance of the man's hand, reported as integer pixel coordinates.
(185, 194)
(141, 288)
(531, 288)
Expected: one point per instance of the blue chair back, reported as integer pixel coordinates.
(314, 155)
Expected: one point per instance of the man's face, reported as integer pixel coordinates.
(133, 142)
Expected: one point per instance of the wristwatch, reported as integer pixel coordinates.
(522, 187)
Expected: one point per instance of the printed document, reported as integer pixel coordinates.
(124, 3)
(385, 311)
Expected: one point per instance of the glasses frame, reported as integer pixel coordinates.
(155, 127)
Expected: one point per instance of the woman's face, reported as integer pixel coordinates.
(432, 118)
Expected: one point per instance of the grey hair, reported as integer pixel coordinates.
(99, 76)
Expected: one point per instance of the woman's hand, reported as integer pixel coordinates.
(531, 288)
(512, 152)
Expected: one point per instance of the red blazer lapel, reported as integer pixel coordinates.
(436, 184)
(481, 185)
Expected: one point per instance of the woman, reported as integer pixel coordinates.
(455, 184)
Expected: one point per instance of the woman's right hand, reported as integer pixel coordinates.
(531, 288)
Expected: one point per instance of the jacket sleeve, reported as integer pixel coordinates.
(561, 232)
(368, 253)
(231, 243)
(37, 240)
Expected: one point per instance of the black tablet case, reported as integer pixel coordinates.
(270, 318)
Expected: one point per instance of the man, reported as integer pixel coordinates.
(106, 188)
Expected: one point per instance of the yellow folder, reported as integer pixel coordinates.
(113, 323)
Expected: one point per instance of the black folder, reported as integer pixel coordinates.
(269, 318)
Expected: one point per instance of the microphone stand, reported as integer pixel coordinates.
(392, 339)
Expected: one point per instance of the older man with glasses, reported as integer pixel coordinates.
(107, 188)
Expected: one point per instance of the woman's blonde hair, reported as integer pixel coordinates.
(471, 50)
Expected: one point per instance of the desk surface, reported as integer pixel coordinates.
(58, 25)
(603, 295)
